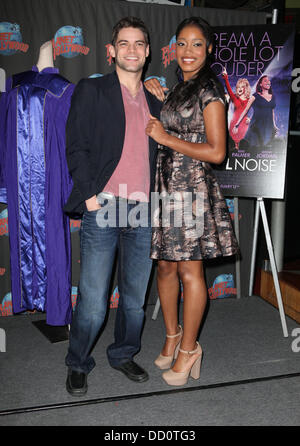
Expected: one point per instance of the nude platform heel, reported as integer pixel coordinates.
(180, 378)
(165, 362)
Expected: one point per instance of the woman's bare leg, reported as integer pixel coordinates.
(195, 298)
(168, 290)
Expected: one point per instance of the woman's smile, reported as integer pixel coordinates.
(191, 51)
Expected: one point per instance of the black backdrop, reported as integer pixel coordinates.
(88, 24)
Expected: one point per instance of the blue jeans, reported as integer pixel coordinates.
(98, 249)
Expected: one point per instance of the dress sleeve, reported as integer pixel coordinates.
(211, 93)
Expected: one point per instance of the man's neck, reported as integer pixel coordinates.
(132, 81)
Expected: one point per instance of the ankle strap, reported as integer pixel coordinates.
(192, 351)
(177, 334)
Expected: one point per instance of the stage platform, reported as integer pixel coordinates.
(250, 374)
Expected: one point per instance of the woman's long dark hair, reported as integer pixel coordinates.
(187, 92)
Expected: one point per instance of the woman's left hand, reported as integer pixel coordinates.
(153, 85)
(156, 131)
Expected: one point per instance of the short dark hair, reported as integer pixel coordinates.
(258, 85)
(129, 22)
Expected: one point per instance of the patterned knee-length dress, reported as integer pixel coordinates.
(191, 220)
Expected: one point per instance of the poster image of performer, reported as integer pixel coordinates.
(239, 122)
(254, 64)
(263, 129)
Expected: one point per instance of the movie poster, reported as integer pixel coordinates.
(254, 65)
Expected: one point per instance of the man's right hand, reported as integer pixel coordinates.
(92, 204)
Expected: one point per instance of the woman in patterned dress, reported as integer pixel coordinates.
(191, 134)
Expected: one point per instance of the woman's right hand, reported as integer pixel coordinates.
(224, 72)
(153, 85)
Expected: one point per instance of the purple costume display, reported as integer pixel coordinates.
(35, 184)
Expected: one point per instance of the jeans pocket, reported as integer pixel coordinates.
(89, 218)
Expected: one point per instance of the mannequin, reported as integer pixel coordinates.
(33, 114)
(45, 59)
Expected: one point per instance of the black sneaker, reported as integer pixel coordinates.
(76, 383)
(133, 371)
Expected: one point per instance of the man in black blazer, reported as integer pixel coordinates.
(112, 163)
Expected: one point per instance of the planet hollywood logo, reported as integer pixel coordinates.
(230, 205)
(75, 225)
(11, 39)
(4, 222)
(95, 75)
(161, 79)
(169, 52)
(223, 286)
(74, 294)
(109, 58)
(6, 305)
(68, 42)
(114, 298)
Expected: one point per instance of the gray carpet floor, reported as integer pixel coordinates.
(250, 375)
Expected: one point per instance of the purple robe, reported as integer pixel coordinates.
(35, 183)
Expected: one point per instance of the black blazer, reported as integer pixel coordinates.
(95, 136)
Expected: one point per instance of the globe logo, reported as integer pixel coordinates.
(95, 75)
(225, 283)
(161, 80)
(169, 52)
(230, 205)
(6, 305)
(4, 222)
(172, 42)
(74, 294)
(9, 32)
(75, 225)
(68, 42)
(114, 298)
